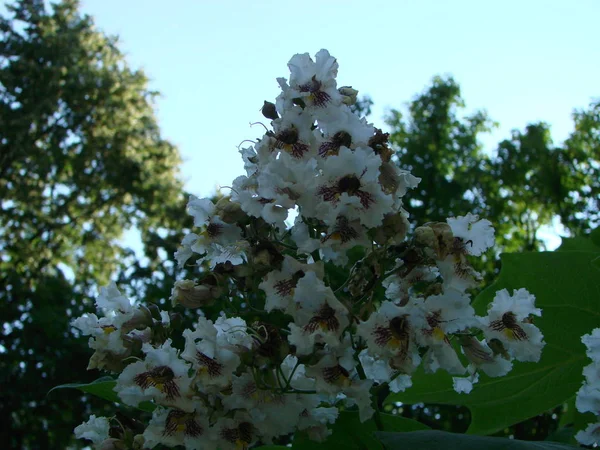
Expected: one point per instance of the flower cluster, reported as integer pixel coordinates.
(588, 397)
(315, 315)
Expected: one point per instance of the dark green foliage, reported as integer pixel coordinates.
(81, 160)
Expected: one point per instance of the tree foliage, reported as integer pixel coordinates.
(81, 160)
(522, 185)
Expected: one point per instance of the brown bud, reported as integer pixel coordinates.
(142, 318)
(138, 442)
(475, 351)
(424, 236)
(269, 111)
(393, 229)
(348, 94)
(190, 295)
(498, 348)
(444, 236)
(230, 212)
(108, 361)
(112, 444)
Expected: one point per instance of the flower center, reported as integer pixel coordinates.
(182, 422)
(324, 319)
(162, 378)
(349, 184)
(209, 365)
(509, 325)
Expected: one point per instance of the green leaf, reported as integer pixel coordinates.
(349, 433)
(440, 440)
(595, 236)
(272, 447)
(567, 288)
(103, 388)
(578, 243)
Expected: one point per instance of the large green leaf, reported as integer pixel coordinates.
(567, 288)
(440, 440)
(103, 388)
(349, 433)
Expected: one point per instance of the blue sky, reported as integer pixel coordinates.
(216, 61)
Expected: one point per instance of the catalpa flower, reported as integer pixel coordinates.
(293, 133)
(390, 333)
(213, 362)
(162, 376)
(345, 130)
(280, 285)
(476, 235)
(341, 237)
(173, 427)
(237, 433)
(95, 429)
(319, 318)
(508, 321)
(350, 182)
(311, 81)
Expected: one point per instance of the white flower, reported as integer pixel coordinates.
(162, 376)
(245, 193)
(464, 385)
(293, 133)
(590, 436)
(380, 371)
(351, 181)
(313, 82)
(235, 433)
(301, 236)
(233, 331)
(106, 334)
(477, 235)
(341, 237)
(287, 181)
(95, 429)
(592, 342)
(184, 252)
(319, 318)
(280, 285)
(110, 299)
(346, 130)
(173, 427)
(588, 399)
(214, 363)
(508, 322)
(390, 333)
(273, 414)
(201, 209)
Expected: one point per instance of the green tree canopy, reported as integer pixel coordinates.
(520, 186)
(81, 160)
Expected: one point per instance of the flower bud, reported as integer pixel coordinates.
(142, 318)
(112, 444)
(230, 212)
(109, 361)
(392, 230)
(475, 351)
(269, 111)
(189, 295)
(138, 442)
(444, 236)
(498, 348)
(348, 94)
(425, 237)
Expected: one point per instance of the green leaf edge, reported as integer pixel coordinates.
(85, 387)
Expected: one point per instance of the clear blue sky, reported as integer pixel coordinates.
(216, 61)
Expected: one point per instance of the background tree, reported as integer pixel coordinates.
(81, 160)
(521, 186)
